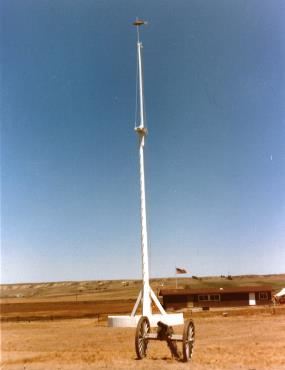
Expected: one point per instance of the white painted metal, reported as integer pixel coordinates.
(141, 130)
(136, 306)
(157, 303)
(139, 47)
(146, 294)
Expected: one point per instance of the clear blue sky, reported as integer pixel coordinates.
(215, 154)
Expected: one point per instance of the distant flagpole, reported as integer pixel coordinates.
(179, 270)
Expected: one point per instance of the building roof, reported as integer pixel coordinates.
(244, 289)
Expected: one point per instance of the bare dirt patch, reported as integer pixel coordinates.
(234, 342)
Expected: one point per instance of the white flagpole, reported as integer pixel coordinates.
(146, 295)
(142, 131)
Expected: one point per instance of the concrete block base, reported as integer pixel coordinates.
(132, 321)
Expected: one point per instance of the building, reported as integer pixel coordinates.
(216, 297)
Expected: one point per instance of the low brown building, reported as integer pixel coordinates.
(216, 297)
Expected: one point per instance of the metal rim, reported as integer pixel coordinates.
(141, 342)
(188, 340)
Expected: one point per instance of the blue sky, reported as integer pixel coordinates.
(215, 154)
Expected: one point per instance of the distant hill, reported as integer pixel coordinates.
(126, 289)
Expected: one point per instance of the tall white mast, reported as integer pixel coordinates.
(146, 295)
(142, 132)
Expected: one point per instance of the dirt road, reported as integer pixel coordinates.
(233, 342)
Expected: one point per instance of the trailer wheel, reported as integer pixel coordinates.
(188, 340)
(143, 328)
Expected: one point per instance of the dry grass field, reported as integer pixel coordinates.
(233, 342)
(60, 326)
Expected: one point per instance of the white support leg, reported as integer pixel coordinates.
(136, 306)
(157, 303)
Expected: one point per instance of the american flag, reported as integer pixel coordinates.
(180, 270)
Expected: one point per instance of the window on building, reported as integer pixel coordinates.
(263, 296)
(214, 297)
(203, 297)
(209, 297)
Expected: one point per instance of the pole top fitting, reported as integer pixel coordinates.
(139, 22)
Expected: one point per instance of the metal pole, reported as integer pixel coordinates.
(141, 130)
(146, 295)
(139, 47)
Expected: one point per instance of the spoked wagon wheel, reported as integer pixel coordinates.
(188, 340)
(141, 342)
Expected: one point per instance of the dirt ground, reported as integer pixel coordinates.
(255, 342)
